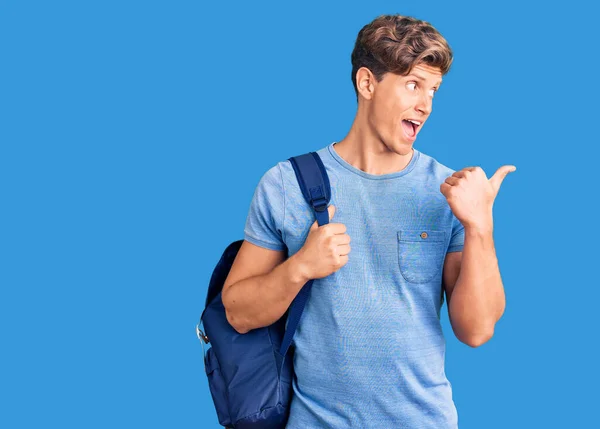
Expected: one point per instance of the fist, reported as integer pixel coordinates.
(471, 195)
(326, 248)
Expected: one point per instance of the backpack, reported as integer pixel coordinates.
(250, 375)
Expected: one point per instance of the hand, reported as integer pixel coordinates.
(326, 248)
(471, 195)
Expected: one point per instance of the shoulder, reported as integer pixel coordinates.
(280, 170)
(282, 176)
(435, 169)
(272, 177)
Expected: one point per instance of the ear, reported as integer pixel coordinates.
(365, 82)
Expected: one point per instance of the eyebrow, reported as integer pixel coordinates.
(421, 78)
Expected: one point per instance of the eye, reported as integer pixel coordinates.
(412, 83)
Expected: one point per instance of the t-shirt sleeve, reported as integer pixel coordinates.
(264, 224)
(457, 240)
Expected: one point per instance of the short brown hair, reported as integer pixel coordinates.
(396, 43)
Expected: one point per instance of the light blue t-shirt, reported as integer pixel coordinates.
(369, 347)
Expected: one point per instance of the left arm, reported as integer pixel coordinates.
(471, 278)
(474, 290)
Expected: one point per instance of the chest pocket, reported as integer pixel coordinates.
(420, 254)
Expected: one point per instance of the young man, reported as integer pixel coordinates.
(369, 350)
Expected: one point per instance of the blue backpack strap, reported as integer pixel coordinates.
(314, 183)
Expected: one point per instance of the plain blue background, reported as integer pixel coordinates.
(133, 135)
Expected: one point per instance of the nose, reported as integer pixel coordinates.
(424, 105)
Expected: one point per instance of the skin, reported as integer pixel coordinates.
(377, 144)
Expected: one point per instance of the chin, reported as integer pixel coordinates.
(404, 147)
(400, 146)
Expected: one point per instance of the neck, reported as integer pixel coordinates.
(365, 150)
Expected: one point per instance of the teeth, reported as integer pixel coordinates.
(414, 122)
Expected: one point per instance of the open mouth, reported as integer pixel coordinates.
(410, 128)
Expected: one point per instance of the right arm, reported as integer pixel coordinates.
(262, 283)
(260, 286)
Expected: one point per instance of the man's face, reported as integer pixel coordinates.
(396, 99)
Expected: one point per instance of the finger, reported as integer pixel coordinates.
(331, 210)
(343, 249)
(452, 180)
(500, 174)
(340, 239)
(460, 173)
(337, 228)
(445, 188)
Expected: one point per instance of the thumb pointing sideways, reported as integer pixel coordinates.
(500, 175)
(331, 210)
